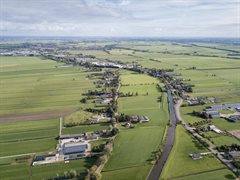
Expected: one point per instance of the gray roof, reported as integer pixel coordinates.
(234, 154)
(224, 106)
(67, 136)
(212, 112)
(74, 148)
(234, 117)
(196, 155)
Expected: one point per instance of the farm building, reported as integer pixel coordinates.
(68, 136)
(224, 106)
(215, 129)
(212, 114)
(231, 155)
(143, 119)
(134, 119)
(195, 156)
(74, 156)
(69, 148)
(234, 118)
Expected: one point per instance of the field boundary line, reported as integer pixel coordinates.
(126, 167)
(17, 155)
(27, 139)
(202, 172)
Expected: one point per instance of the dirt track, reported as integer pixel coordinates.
(35, 115)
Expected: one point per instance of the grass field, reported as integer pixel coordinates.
(24, 171)
(33, 85)
(134, 148)
(29, 84)
(85, 128)
(180, 164)
(28, 137)
(223, 174)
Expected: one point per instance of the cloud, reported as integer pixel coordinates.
(120, 17)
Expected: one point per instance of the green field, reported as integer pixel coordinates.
(134, 148)
(85, 128)
(180, 164)
(29, 84)
(36, 85)
(28, 137)
(24, 171)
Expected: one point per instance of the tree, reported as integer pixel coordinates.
(114, 131)
(83, 100)
(73, 173)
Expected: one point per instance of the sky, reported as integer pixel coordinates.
(120, 18)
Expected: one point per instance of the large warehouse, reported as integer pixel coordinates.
(69, 148)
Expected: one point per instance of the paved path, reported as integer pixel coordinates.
(158, 167)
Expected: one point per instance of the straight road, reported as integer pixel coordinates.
(158, 167)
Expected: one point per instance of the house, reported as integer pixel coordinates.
(143, 119)
(212, 114)
(134, 119)
(68, 136)
(104, 102)
(127, 125)
(73, 147)
(234, 118)
(231, 155)
(238, 109)
(213, 128)
(195, 156)
(92, 136)
(193, 101)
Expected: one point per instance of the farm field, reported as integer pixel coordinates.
(223, 174)
(35, 92)
(32, 90)
(23, 171)
(180, 164)
(134, 148)
(28, 137)
(30, 84)
(52, 170)
(85, 128)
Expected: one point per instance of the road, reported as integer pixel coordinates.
(158, 167)
(211, 147)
